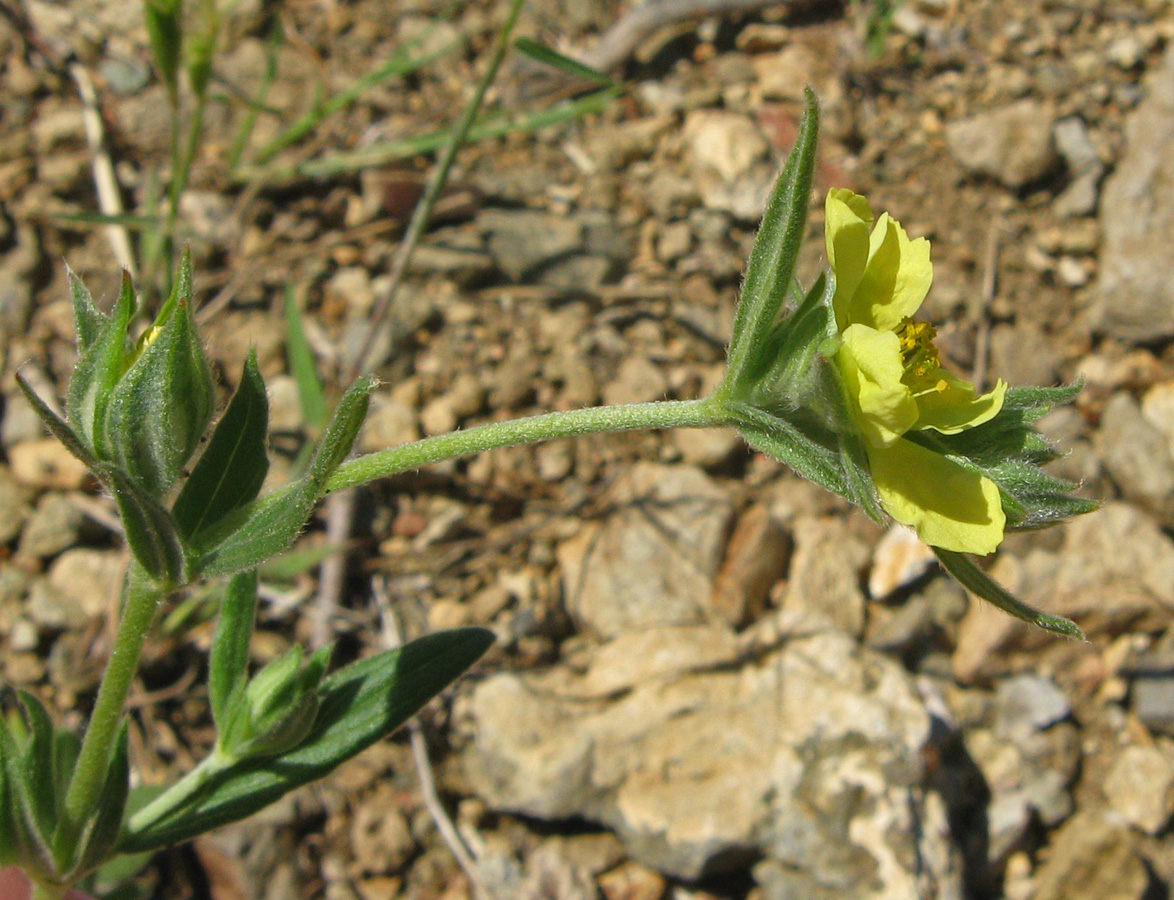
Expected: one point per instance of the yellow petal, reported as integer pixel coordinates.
(949, 506)
(957, 407)
(870, 366)
(846, 227)
(895, 280)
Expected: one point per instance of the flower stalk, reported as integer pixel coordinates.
(529, 430)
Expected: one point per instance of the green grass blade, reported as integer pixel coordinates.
(303, 366)
(548, 56)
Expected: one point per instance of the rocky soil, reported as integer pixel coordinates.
(712, 680)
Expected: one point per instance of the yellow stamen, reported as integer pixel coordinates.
(918, 353)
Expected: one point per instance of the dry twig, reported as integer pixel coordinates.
(990, 286)
(106, 182)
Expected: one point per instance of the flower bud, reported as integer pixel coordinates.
(158, 411)
(276, 710)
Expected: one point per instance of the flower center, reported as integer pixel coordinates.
(920, 357)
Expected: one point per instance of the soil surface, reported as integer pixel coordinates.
(598, 260)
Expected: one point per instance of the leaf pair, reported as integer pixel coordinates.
(36, 765)
(289, 726)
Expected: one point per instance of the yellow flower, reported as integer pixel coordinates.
(896, 385)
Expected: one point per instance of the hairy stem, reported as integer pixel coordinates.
(658, 414)
(141, 598)
(179, 794)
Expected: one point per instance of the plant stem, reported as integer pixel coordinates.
(179, 794)
(141, 599)
(658, 414)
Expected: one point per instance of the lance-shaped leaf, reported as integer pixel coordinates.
(158, 411)
(232, 468)
(979, 583)
(32, 800)
(8, 855)
(772, 260)
(268, 526)
(101, 832)
(360, 704)
(229, 659)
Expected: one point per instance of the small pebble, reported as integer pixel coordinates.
(48, 465)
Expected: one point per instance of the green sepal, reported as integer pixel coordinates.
(57, 426)
(837, 463)
(771, 267)
(359, 705)
(270, 525)
(100, 365)
(232, 468)
(800, 374)
(1010, 451)
(150, 531)
(276, 709)
(229, 659)
(88, 320)
(980, 584)
(159, 410)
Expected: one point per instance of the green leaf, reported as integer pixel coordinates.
(29, 802)
(87, 318)
(258, 531)
(270, 525)
(228, 665)
(360, 704)
(99, 367)
(41, 764)
(158, 411)
(772, 259)
(303, 365)
(232, 468)
(102, 830)
(979, 583)
(7, 827)
(548, 56)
